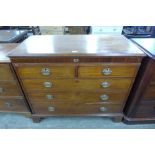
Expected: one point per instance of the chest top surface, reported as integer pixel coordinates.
(4, 50)
(76, 45)
(148, 44)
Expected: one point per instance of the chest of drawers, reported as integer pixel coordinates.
(141, 103)
(76, 75)
(11, 97)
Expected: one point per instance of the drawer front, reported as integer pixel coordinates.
(81, 98)
(150, 93)
(77, 85)
(63, 109)
(146, 111)
(46, 71)
(13, 105)
(108, 70)
(5, 72)
(9, 88)
(153, 79)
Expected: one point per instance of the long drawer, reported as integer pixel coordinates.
(150, 93)
(108, 70)
(78, 97)
(153, 78)
(5, 72)
(9, 88)
(147, 109)
(34, 71)
(59, 109)
(13, 105)
(117, 84)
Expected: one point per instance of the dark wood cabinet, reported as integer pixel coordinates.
(76, 75)
(140, 105)
(12, 36)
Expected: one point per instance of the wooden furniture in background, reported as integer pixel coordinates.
(11, 96)
(75, 29)
(52, 30)
(12, 36)
(76, 75)
(140, 106)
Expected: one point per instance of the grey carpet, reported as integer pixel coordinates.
(16, 121)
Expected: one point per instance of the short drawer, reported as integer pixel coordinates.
(34, 71)
(108, 70)
(64, 109)
(5, 72)
(13, 105)
(9, 88)
(79, 97)
(118, 84)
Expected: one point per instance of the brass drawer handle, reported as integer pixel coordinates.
(76, 60)
(45, 71)
(104, 97)
(47, 84)
(1, 90)
(103, 109)
(50, 97)
(50, 108)
(107, 71)
(8, 104)
(105, 84)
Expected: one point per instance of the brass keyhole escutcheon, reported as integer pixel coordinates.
(107, 71)
(45, 71)
(51, 108)
(47, 84)
(103, 109)
(105, 84)
(104, 97)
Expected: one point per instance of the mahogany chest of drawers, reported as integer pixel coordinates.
(76, 75)
(140, 106)
(11, 97)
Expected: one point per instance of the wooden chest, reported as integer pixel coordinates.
(141, 103)
(11, 97)
(77, 75)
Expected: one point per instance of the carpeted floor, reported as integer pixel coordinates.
(15, 121)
